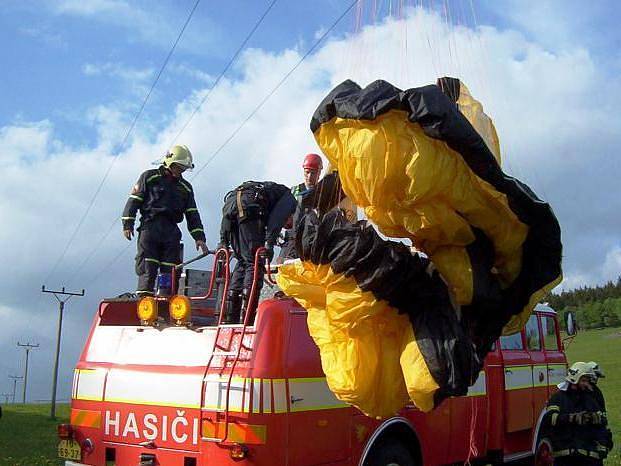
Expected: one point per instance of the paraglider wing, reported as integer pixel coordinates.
(421, 169)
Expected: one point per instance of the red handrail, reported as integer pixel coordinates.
(260, 253)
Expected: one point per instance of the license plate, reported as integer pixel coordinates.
(70, 450)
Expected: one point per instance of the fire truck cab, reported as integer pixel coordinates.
(201, 394)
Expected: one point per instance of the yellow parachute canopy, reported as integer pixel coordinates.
(424, 165)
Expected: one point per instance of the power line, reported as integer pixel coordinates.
(223, 72)
(273, 91)
(186, 124)
(256, 109)
(124, 141)
(109, 264)
(93, 251)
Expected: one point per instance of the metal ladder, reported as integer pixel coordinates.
(229, 357)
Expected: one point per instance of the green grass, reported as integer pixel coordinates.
(604, 347)
(28, 435)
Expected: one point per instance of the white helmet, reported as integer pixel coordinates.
(180, 155)
(596, 370)
(578, 370)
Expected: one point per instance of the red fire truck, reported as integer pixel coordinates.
(197, 393)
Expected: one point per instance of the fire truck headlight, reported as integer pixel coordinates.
(180, 309)
(147, 310)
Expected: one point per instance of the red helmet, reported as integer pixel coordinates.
(312, 161)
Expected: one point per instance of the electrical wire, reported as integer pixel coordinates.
(123, 142)
(257, 108)
(220, 76)
(273, 91)
(223, 72)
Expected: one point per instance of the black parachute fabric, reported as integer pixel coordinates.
(424, 165)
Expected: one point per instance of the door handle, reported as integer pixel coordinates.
(295, 400)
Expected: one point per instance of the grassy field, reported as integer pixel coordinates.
(28, 436)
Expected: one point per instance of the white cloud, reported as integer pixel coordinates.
(611, 269)
(43, 34)
(117, 70)
(136, 80)
(28, 142)
(190, 71)
(557, 125)
(148, 22)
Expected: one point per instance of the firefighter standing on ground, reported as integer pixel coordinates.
(163, 198)
(576, 420)
(312, 166)
(252, 217)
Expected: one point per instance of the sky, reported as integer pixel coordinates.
(76, 74)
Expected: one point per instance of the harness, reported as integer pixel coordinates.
(247, 201)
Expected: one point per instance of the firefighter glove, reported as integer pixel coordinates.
(200, 244)
(579, 418)
(596, 418)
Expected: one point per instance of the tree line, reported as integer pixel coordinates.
(594, 306)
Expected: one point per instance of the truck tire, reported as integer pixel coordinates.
(390, 452)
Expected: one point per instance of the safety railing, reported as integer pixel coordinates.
(248, 313)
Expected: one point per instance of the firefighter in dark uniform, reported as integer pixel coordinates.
(576, 421)
(252, 216)
(163, 198)
(312, 166)
(597, 393)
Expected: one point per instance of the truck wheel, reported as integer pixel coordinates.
(543, 454)
(390, 453)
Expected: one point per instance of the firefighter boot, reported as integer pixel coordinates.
(248, 307)
(232, 308)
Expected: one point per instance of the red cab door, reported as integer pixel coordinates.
(518, 378)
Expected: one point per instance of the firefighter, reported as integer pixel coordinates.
(252, 216)
(312, 166)
(597, 393)
(576, 422)
(163, 197)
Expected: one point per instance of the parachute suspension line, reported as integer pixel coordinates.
(273, 91)
(103, 238)
(356, 43)
(447, 24)
(426, 29)
(122, 145)
(453, 36)
(505, 153)
(223, 72)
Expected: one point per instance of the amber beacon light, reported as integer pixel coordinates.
(180, 309)
(147, 310)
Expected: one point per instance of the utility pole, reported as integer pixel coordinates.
(61, 307)
(15, 379)
(28, 347)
